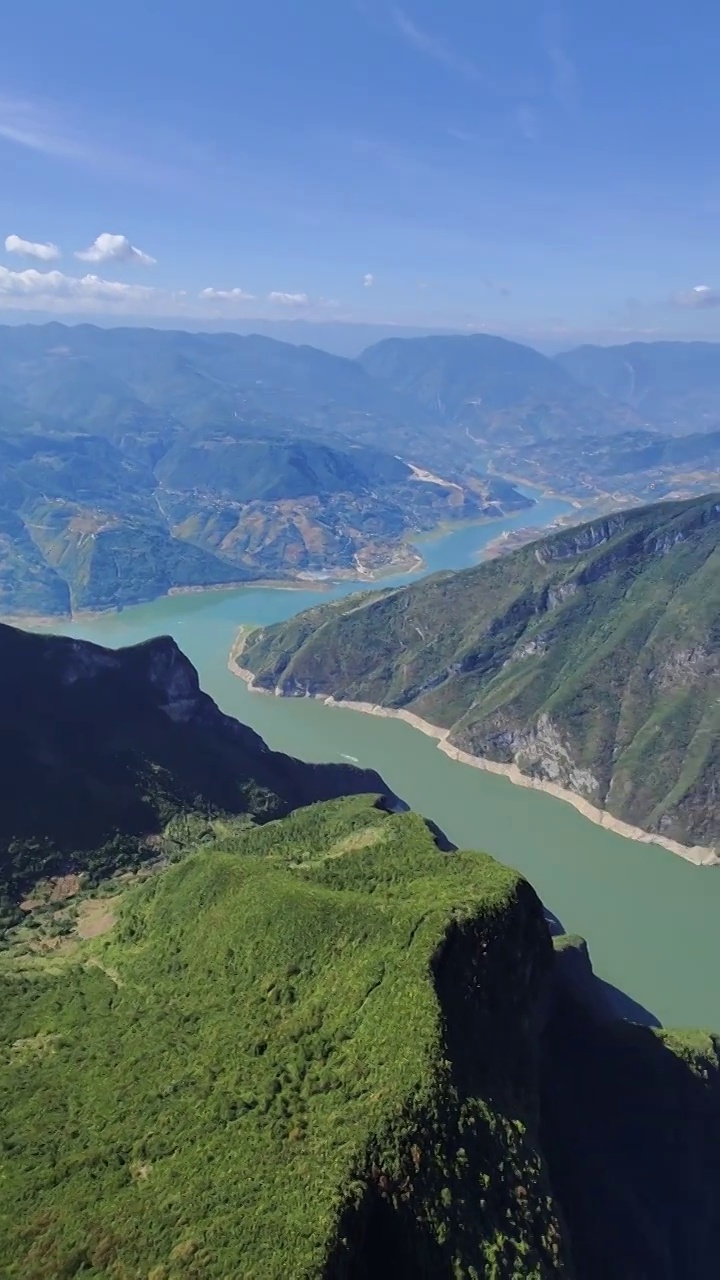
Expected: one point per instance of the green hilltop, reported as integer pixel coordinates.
(590, 659)
(245, 1035)
(325, 1049)
(229, 1083)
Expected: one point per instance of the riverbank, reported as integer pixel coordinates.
(697, 855)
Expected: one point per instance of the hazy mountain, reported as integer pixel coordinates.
(572, 422)
(140, 460)
(135, 461)
(590, 659)
(500, 390)
(674, 385)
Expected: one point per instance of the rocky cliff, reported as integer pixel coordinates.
(589, 660)
(99, 744)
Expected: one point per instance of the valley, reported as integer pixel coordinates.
(138, 462)
(596, 882)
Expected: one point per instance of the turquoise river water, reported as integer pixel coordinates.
(651, 919)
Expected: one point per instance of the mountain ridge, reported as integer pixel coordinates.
(132, 742)
(589, 660)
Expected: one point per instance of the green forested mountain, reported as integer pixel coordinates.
(322, 1048)
(310, 1042)
(100, 743)
(590, 659)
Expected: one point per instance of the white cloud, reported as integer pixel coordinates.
(44, 251)
(368, 280)
(54, 289)
(112, 248)
(289, 299)
(226, 295)
(701, 295)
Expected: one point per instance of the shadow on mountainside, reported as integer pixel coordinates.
(630, 1129)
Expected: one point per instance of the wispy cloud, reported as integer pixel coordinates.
(432, 46)
(101, 145)
(697, 298)
(289, 299)
(368, 280)
(564, 79)
(44, 251)
(226, 295)
(114, 248)
(37, 127)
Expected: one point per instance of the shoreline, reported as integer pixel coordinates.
(696, 855)
(413, 563)
(410, 564)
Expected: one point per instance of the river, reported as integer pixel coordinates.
(650, 918)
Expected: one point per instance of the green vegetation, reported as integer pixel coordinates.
(299, 1053)
(322, 1048)
(590, 659)
(235, 1043)
(103, 749)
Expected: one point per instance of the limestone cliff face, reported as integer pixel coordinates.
(540, 750)
(590, 659)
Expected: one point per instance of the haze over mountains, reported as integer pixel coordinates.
(135, 462)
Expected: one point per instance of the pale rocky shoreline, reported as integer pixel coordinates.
(698, 855)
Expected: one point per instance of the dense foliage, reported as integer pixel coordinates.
(590, 659)
(269, 1068)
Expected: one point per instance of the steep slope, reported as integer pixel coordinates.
(323, 1049)
(99, 743)
(674, 385)
(589, 660)
(629, 1125)
(273, 1079)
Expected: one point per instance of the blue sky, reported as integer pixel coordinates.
(540, 171)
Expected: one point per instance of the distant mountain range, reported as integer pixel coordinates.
(589, 660)
(675, 386)
(137, 461)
